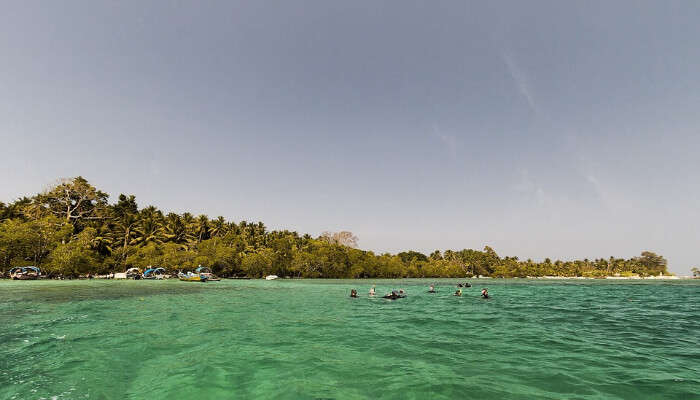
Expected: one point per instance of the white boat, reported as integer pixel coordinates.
(271, 277)
(25, 273)
(133, 273)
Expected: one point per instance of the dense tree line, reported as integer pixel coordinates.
(72, 229)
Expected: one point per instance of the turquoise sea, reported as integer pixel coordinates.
(306, 339)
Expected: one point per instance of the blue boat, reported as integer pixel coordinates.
(154, 273)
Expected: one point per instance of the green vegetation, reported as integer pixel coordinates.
(71, 230)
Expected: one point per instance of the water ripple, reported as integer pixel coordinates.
(307, 339)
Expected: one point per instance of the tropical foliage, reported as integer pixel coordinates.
(71, 229)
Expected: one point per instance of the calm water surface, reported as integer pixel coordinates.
(308, 339)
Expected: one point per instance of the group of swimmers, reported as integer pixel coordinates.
(400, 294)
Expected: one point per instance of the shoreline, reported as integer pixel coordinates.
(540, 278)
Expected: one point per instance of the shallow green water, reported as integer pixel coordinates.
(307, 339)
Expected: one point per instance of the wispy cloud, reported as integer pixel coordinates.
(593, 181)
(449, 141)
(527, 186)
(600, 190)
(521, 81)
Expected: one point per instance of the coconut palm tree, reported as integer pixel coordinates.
(103, 240)
(219, 227)
(150, 227)
(124, 230)
(188, 221)
(176, 231)
(232, 227)
(202, 228)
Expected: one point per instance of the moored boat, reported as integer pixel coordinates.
(25, 273)
(206, 272)
(154, 273)
(133, 273)
(271, 277)
(191, 277)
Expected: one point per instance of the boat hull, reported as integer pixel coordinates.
(22, 277)
(192, 279)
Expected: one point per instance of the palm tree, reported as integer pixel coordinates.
(104, 240)
(124, 228)
(260, 228)
(188, 221)
(202, 228)
(150, 227)
(175, 229)
(232, 227)
(219, 227)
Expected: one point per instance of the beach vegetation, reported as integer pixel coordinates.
(71, 229)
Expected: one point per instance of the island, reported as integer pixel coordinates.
(72, 230)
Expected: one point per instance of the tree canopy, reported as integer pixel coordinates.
(71, 229)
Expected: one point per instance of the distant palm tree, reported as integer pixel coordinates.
(103, 242)
(175, 230)
(232, 227)
(202, 228)
(150, 227)
(188, 221)
(260, 228)
(124, 230)
(219, 227)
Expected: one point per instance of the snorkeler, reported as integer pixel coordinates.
(485, 293)
(394, 295)
(353, 293)
(458, 292)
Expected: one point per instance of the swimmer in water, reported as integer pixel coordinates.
(432, 289)
(372, 292)
(353, 293)
(392, 296)
(485, 293)
(458, 292)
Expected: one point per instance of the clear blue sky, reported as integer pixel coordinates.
(559, 129)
